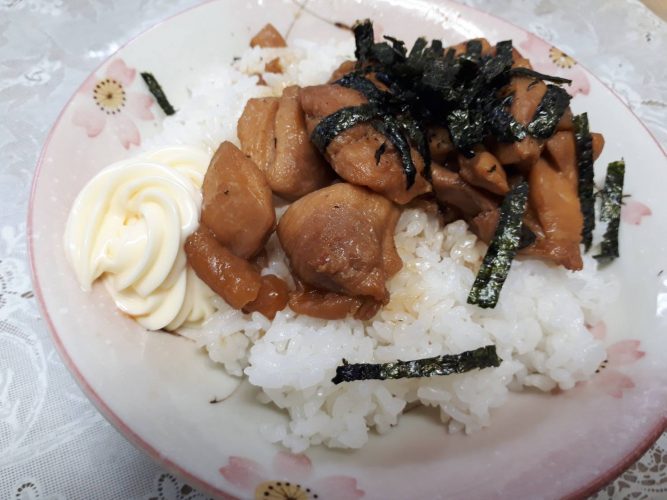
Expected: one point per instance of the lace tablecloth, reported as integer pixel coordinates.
(53, 443)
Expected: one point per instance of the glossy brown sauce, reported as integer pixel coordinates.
(272, 297)
(331, 305)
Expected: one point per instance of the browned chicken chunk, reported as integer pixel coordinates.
(561, 153)
(349, 66)
(440, 144)
(485, 171)
(231, 277)
(256, 130)
(598, 144)
(268, 36)
(453, 191)
(341, 239)
(353, 154)
(484, 224)
(555, 199)
(273, 133)
(331, 305)
(298, 168)
(342, 70)
(560, 150)
(528, 94)
(319, 101)
(237, 204)
(273, 66)
(566, 122)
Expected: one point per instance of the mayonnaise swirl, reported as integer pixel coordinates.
(128, 226)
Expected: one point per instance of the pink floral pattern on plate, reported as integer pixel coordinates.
(548, 59)
(632, 212)
(295, 483)
(624, 352)
(108, 104)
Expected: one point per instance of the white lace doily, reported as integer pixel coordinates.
(53, 443)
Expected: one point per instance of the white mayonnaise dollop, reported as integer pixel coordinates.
(128, 226)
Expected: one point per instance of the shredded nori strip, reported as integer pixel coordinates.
(388, 54)
(549, 112)
(466, 129)
(393, 132)
(501, 123)
(343, 119)
(155, 89)
(527, 237)
(383, 53)
(363, 38)
(392, 127)
(584, 146)
(473, 51)
(502, 249)
(363, 85)
(437, 76)
(539, 76)
(379, 152)
(610, 211)
(502, 62)
(416, 134)
(447, 364)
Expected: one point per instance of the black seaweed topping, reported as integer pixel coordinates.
(387, 54)
(447, 364)
(395, 128)
(495, 66)
(502, 249)
(501, 123)
(393, 131)
(549, 112)
(342, 120)
(155, 89)
(365, 86)
(473, 51)
(430, 86)
(466, 129)
(417, 136)
(539, 76)
(584, 145)
(363, 38)
(610, 211)
(379, 152)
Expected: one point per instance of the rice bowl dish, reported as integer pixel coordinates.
(540, 325)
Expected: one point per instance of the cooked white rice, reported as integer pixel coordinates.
(538, 326)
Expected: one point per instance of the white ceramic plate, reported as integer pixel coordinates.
(156, 388)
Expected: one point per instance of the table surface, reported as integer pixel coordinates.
(53, 442)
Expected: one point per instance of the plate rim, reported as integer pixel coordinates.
(137, 441)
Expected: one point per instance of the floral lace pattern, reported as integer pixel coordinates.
(169, 487)
(32, 490)
(53, 443)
